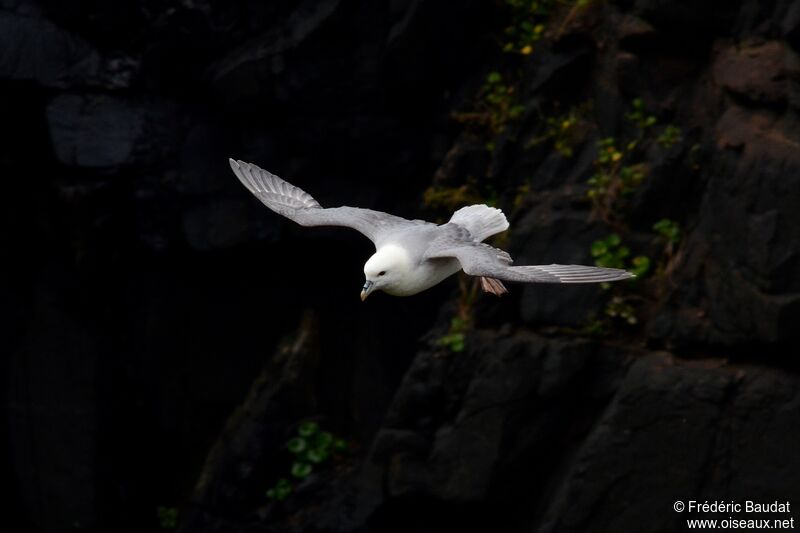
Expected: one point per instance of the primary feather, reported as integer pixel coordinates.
(299, 206)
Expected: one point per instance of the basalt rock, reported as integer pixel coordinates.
(147, 291)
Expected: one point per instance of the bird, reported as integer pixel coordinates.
(414, 255)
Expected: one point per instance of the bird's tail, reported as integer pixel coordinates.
(480, 220)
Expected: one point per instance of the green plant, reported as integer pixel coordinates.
(529, 20)
(167, 517)
(519, 198)
(668, 229)
(640, 265)
(281, 490)
(640, 116)
(597, 327)
(611, 253)
(451, 198)
(613, 179)
(619, 168)
(497, 106)
(527, 24)
(454, 339)
(311, 447)
(501, 102)
(567, 129)
(669, 232)
(618, 308)
(670, 136)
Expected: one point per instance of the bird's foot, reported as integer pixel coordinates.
(494, 286)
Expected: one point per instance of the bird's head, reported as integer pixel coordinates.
(386, 270)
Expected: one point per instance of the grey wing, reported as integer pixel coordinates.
(299, 206)
(479, 259)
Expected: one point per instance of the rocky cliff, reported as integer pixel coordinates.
(164, 334)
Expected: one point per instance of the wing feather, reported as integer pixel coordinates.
(300, 207)
(479, 259)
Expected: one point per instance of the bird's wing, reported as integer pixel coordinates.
(479, 259)
(299, 206)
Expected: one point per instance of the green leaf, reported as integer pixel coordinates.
(167, 517)
(458, 344)
(316, 456)
(669, 229)
(494, 77)
(296, 445)
(307, 429)
(599, 248)
(323, 440)
(280, 491)
(301, 470)
(614, 240)
(641, 265)
(340, 446)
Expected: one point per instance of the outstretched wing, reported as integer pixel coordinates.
(299, 206)
(479, 259)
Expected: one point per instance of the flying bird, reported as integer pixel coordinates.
(414, 255)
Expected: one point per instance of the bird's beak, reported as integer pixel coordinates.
(368, 286)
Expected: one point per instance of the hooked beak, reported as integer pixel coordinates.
(367, 289)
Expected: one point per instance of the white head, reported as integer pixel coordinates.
(386, 270)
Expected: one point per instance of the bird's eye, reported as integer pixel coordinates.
(382, 272)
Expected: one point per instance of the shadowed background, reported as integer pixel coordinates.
(163, 333)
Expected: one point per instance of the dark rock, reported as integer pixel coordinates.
(728, 251)
(694, 416)
(35, 49)
(553, 232)
(104, 132)
(52, 392)
(685, 17)
(147, 287)
(479, 445)
(94, 132)
(763, 72)
(633, 28)
(220, 225)
(790, 25)
(238, 464)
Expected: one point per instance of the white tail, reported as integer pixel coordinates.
(480, 220)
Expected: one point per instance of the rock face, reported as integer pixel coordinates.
(146, 292)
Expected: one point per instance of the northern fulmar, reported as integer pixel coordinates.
(414, 255)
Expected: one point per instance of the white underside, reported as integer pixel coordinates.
(424, 277)
(404, 275)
